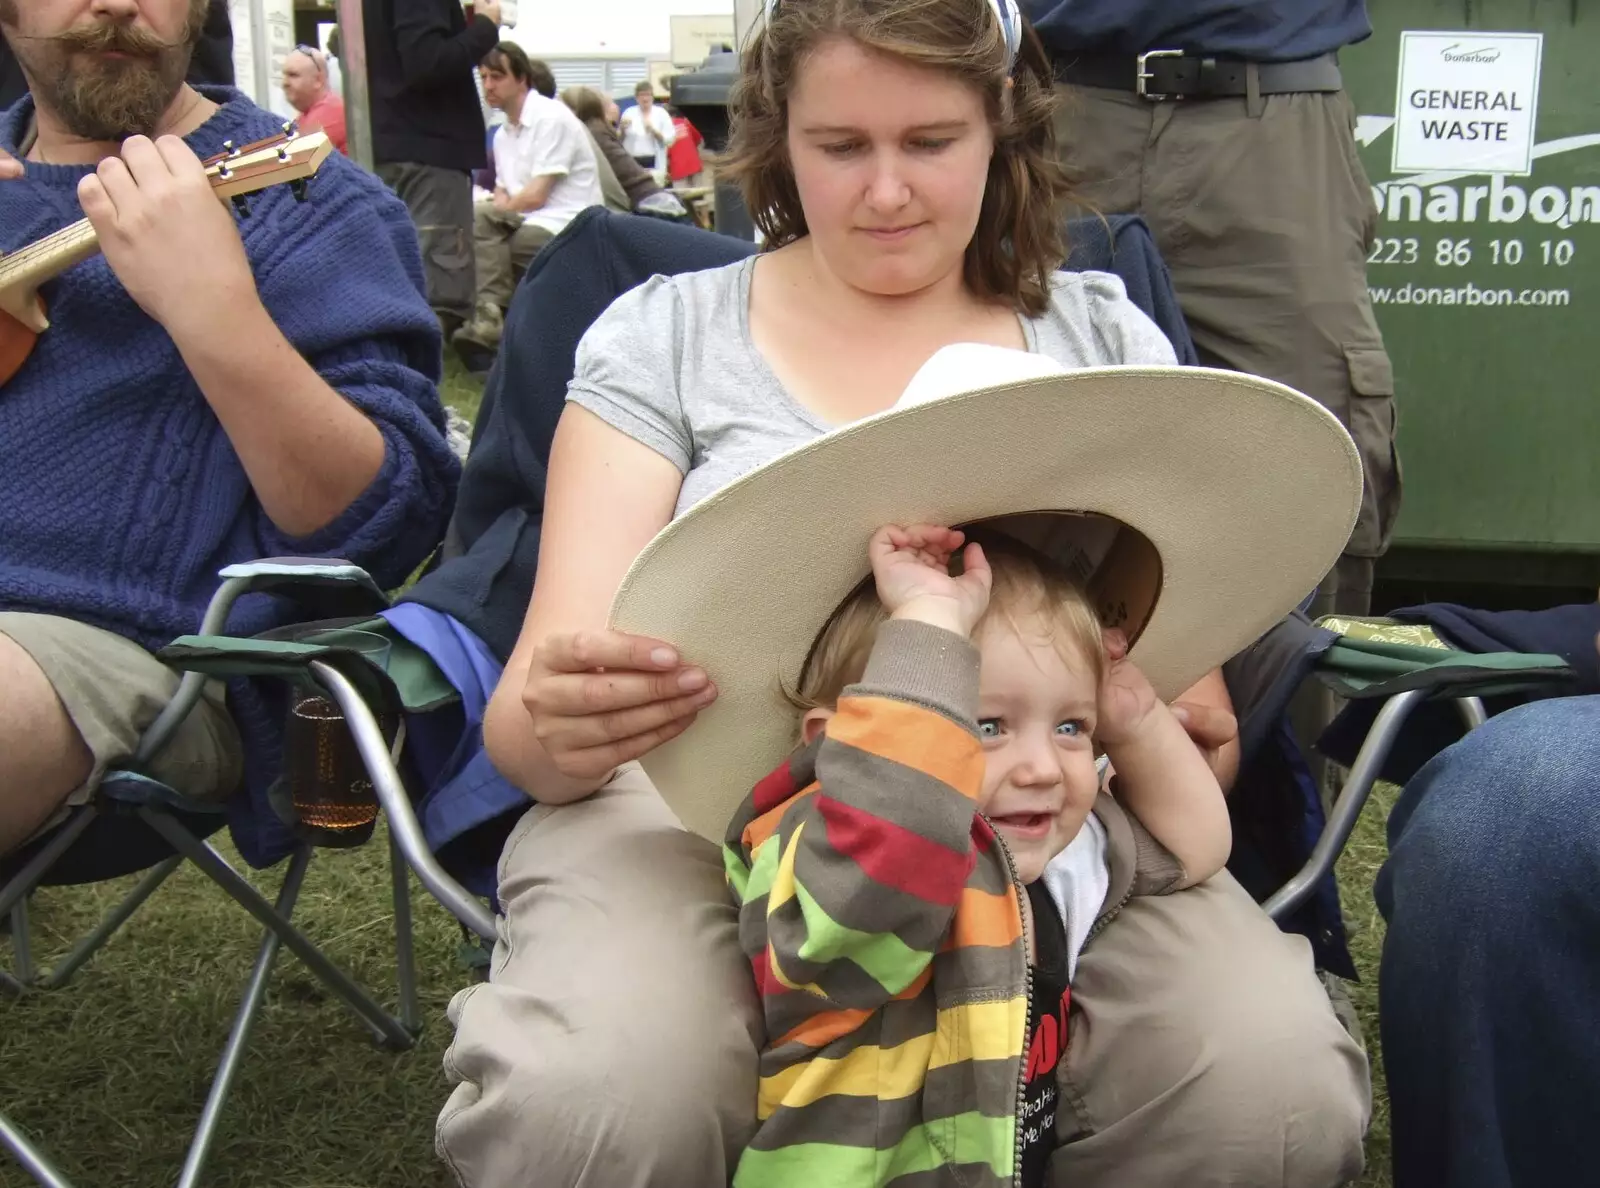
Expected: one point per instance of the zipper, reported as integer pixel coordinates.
(1106, 917)
(1027, 965)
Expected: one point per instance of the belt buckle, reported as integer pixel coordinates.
(1142, 77)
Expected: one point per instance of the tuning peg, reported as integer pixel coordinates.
(242, 205)
(298, 188)
(291, 129)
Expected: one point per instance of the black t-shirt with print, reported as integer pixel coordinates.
(1047, 1037)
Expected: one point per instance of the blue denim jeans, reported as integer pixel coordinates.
(1489, 993)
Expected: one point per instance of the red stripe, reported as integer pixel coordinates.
(896, 857)
(773, 790)
(982, 834)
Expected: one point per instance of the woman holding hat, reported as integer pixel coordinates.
(899, 159)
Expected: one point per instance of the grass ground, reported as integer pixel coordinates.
(109, 1073)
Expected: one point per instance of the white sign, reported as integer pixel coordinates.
(1468, 102)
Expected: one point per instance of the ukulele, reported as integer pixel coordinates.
(236, 172)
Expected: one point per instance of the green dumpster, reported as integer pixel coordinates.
(1487, 284)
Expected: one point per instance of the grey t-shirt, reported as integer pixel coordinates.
(672, 365)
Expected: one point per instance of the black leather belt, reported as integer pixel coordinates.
(1173, 74)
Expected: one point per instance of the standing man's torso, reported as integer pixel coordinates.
(1257, 30)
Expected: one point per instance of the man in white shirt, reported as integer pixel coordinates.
(647, 130)
(545, 173)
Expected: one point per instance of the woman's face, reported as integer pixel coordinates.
(890, 160)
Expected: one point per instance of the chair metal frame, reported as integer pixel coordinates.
(1355, 792)
(407, 848)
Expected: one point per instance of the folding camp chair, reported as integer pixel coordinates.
(1402, 668)
(134, 823)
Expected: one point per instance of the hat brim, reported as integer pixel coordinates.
(1248, 490)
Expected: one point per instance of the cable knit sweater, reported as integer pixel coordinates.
(120, 494)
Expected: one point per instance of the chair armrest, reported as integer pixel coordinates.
(325, 588)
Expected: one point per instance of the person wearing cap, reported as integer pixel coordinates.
(1225, 124)
(901, 164)
(307, 88)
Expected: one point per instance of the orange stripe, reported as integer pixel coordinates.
(910, 735)
(822, 1029)
(985, 921)
(916, 987)
(767, 823)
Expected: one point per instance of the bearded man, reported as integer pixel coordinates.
(209, 390)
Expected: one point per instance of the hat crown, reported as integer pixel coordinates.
(974, 367)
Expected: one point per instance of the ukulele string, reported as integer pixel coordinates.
(74, 235)
(81, 233)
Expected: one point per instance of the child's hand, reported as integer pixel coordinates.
(1126, 698)
(912, 569)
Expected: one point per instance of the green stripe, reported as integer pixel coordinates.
(738, 873)
(886, 958)
(964, 1139)
(763, 868)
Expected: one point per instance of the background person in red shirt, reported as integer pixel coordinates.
(305, 86)
(683, 154)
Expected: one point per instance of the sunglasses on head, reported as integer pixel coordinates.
(318, 58)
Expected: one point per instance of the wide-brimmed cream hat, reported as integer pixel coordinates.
(1199, 507)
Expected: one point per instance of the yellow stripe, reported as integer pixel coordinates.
(980, 1031)
(783, 878)
(783, 890)
(976, 1031)
(869, 1071)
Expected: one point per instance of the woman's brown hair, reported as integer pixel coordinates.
(1018, 242)
(585, 103)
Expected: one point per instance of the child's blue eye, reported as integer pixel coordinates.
(1071, 729)
(988, 727)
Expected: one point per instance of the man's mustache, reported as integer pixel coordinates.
(104, 37)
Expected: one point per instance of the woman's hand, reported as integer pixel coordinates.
(9, 166)
(599, 699)
(912, 569)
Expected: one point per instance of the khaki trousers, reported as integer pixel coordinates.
(440, 202)
(614, 1045)
(113, 690)
(1264, 216)
(503, 245)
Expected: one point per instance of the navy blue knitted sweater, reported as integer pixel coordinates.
(120, 494)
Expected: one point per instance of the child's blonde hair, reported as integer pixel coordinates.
(1026, 585)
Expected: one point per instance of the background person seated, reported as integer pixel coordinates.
(207, 392)
(308, 88)
(545, 173)
(636, 189)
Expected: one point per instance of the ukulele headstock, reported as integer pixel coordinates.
(287, 159)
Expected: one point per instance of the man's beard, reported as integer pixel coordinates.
(102, 98)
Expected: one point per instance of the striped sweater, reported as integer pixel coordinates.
(883, 922)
